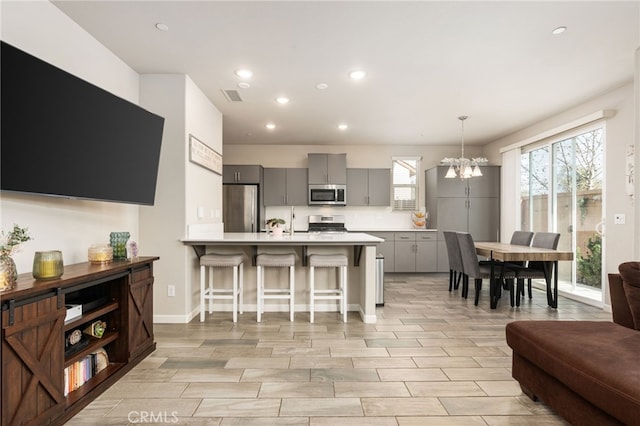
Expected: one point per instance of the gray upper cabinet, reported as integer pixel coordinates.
(470, 205)
(368, 187)
(379, 187)
(327, 169)
(285, 187)
(232, 173)
(487, 185)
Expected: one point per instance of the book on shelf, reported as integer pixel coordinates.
(78, 373)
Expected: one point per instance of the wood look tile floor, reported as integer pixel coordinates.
(433, 358)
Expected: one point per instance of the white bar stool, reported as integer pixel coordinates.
(266, 260)
(210, 293)
(339, 261)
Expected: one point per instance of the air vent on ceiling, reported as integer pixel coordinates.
(232, 95)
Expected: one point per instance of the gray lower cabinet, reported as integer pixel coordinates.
(478, 216)
(405, 244)
(416, 252)
(426, 252)
(285, 187)
(368, 187)
(386, 249)
(327, 169)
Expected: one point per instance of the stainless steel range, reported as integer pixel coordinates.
(327, 224)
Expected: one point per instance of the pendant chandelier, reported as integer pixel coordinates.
(463, 167)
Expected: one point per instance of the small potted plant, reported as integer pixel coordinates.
(274, 225)
(9, 242)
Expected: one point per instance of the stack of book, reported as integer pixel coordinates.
(81, 371)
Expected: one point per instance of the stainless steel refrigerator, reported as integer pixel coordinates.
(241, 208)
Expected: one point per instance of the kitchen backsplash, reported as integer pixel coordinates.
(356, 218)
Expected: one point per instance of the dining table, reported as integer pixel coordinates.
(500, 254)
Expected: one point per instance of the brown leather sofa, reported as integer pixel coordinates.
(587, 371)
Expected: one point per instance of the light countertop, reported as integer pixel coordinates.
(298, 238)
(395, 230)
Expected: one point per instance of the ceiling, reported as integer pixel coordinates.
(427, 62)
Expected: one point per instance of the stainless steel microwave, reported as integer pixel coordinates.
(327, 195)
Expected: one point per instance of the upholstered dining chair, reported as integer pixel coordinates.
(455, 261)
(534, 269)
(521, 238)
(474, 269)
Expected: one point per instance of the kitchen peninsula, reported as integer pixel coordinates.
(360, 247)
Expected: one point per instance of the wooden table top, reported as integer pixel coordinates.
(512, 252)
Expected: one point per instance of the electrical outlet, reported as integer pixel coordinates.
(171, 290)
(619, 219)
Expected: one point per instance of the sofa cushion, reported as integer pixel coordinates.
(597, 360)
(630, 273)
(619, 305)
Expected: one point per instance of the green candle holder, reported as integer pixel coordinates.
(118, 240)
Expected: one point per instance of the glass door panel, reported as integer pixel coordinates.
(563, 211)
(562, 193)
(534, 190)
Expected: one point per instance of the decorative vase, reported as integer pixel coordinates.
(47, 265)
(118, 240)
(132, 250)
(276, 231)
(8, 273)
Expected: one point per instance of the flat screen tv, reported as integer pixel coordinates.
(62, 136)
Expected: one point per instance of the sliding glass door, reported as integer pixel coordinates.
(561, 191)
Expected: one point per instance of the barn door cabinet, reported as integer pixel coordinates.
(36, 339)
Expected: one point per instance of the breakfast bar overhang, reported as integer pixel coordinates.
(363, 247)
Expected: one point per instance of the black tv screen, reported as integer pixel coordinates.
(62, 136)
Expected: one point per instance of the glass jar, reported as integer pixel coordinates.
(47, 265)
(118, 241)
(100, 253)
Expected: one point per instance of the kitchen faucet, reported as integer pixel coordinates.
(293, 216)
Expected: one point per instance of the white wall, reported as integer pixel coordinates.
(182, 188)
(203, 187)
(40, 29)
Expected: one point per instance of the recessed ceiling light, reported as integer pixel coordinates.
(343, 126)
(321, 86)
(270, 126)
(282, 100)
(162, 27)
(559, 30)
(244, 85)
(357, 75)
(244, 73)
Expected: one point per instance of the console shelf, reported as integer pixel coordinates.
(97, 380)
(93, 345)
(33, 336)
(91, 315)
